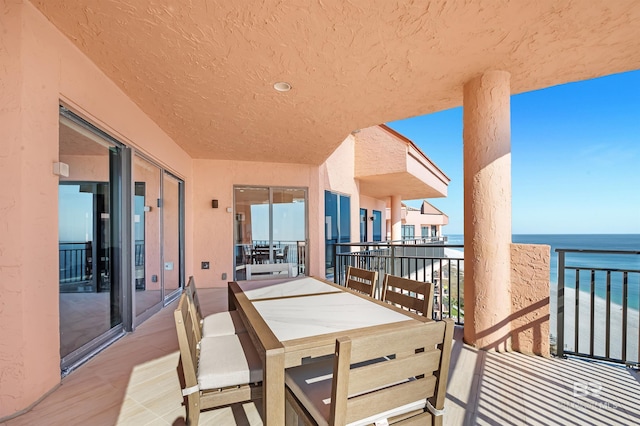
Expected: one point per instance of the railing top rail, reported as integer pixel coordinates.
(558, 250)
(386, 244)
(588, 268)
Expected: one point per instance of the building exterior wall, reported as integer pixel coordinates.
(40, 69)
(415, 218)
(371, 142)
(372, 204)
(215, 179)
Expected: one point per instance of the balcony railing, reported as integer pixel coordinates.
(421, 262)
(597, 315)
(76, 261)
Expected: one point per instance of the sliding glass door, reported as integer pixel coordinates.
(121, 239)
(146, 228)
(172, 272)
(270, 227)
(90, 241)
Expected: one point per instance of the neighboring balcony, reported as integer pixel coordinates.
(387, 163)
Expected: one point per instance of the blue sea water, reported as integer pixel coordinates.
(595, 242)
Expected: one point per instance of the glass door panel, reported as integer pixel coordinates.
(146, 233)
(89, 200)
(171, 225)
(377, 225)
(289, 227)
(252, 222)
(337, 217)
(330, 231)
(363, 226)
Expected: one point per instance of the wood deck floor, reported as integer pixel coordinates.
(134, 382)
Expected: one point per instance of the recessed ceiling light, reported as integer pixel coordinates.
(282, 86)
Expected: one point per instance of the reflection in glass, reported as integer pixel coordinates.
(171, 234)
(146, 230)
(90, 303)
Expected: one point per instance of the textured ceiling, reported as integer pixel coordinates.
(204, 70)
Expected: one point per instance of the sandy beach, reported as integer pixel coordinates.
(584, 331)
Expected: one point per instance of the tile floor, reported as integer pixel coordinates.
(134, 382)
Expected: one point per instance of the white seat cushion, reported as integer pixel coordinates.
(222, 324)
(311, 384)
(228, 361)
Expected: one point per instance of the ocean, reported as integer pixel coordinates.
(589, 241)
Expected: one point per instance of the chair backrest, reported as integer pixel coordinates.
(377, 373)
(265, 271)
(192, 296)
(416, 296)
(188, 338)
(302, 256)
(362, 280)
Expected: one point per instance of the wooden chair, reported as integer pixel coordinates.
(283, 256)
(302, 256)
(362, 280)
(416, 296)
(216, 370)
(400, 377)
(218, 324)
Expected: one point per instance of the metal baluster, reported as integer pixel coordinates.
(608, 316)
(577, 313)
(560, 308)
(593, 320)
(625, 281)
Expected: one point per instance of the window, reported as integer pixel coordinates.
(408, 232)
(337, 213)
(424, 231)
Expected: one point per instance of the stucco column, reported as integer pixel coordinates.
(396, 218)
(487, 211)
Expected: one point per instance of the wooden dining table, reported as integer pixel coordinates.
(291, 321)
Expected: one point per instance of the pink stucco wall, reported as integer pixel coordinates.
(530, 298)
(40, 68)
(371, 142)
(418, 220)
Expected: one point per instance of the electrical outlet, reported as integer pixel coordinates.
(204, 265)
(224, 275)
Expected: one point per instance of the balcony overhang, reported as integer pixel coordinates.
(388, 164)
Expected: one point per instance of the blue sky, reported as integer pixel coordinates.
(575, 156)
